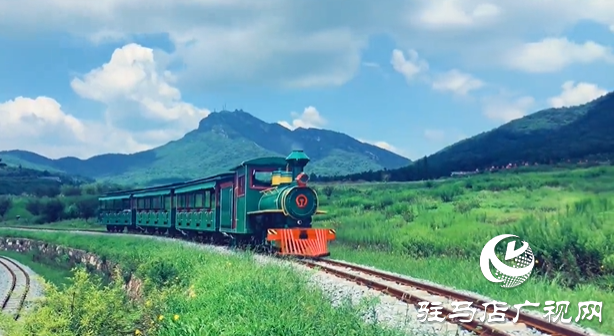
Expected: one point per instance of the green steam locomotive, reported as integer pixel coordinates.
(264, 202)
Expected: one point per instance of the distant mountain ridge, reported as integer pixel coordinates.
(551, 135)
(222, 140)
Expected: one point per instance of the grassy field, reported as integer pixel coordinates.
(188, 292)
(436, 231)
(73, 224)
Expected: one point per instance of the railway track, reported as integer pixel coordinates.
(18, 287)
(414, 292)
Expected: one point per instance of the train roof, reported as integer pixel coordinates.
(263, 161)
(166, 189)
(201, 183)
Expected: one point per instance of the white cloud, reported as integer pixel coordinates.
(310, 118)
(408, 67)
(447, 14)
(612, 28)
(385, 145)
(553, 54)
(280, 42)
(577, 94)
(132, 76)
(434, 134)
(457, 82)
(143, 110)
(504, 108)
(40, 125)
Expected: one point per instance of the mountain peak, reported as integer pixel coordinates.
(227, 118)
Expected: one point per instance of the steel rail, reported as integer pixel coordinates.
(529, 320)
(5, 262)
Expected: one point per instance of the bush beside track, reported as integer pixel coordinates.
(188, 292)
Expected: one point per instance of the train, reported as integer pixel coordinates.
(265, 202)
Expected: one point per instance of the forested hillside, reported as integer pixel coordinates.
(548, 136)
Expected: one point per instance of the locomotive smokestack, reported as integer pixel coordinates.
(297, 160)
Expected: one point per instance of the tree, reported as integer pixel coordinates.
(34, 206)
(68, 190)
(5, 205)
(87, 207)
(52, 210)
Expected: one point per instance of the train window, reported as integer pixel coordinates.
(155, 202)
(198, 199)
(167, 202)
(140, 204)
(207, 199)
(147, 203)
(126, 203)
(261, 179)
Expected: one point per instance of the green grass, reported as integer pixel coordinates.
(211, 293)
(57, 275)
(73, 224)
(436, 231)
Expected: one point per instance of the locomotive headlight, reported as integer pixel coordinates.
(299, 222)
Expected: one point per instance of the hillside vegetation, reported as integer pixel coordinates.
(221, 141)
(545, 137)
(436, 231)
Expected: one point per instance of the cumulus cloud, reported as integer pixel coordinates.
(143, 110)
(434, 134)
(553, 54)
(577, 94)
(457, 82)
(310, 118)
(131, 77)
(42, 126)
(289, 43)
(505, 108)
(408, 67)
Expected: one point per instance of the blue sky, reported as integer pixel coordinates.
(409, 76)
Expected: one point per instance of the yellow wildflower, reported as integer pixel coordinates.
(160, 318)
(148, 303)
(176, 317)
(137, 332)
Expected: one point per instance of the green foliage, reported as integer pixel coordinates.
(86, 307)
(187, 292)
(19, 180)
(52, 210)
(5, 205)
(565, 216)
